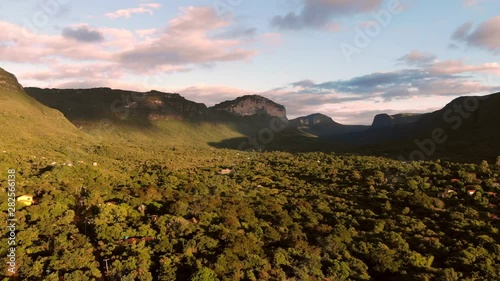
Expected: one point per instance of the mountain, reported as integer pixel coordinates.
(27, 123)
(251, 105)
(465, 128)
(86, 108)
(92, 105)
(384, 121)
(321, 125)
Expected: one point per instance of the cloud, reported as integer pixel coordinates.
(462, 31)
(186, 41)
(303, 83)
(237, 32)
(82, 34)
(212, 95)
(472, 3)
(458, 66)
(272, 38)
(416, 58)
(485, 36)
(320, 13)
(146, 8)
(401, 84)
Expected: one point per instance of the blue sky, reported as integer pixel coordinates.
(415, 56)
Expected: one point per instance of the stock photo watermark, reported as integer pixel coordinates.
(225, 7)
(363, 37)
(11, 221)
(120, 107)
(454, 118)
(265, 136)
(40, 19)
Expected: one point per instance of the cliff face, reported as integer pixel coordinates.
(253, 105)
(99, 103)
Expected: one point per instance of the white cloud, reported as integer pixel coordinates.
(146, 8)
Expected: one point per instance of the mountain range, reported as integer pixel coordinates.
(466, 128)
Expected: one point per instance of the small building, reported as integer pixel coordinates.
(132, 240)
(471, 192)
(225, 171)
(26, 200)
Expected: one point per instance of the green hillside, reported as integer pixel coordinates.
(27, 126)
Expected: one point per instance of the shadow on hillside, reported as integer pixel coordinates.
(454, 152)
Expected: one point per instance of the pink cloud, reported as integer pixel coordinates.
(486, 35)
(272, 38)
(471, 3)
(166, 50)
(186, 41)
(457, 66)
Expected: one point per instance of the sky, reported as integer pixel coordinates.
(348, 59)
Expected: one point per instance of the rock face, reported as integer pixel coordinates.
(164, 106)
(9, 81)
(251, 105)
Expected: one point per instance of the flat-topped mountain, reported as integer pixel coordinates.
(316, 119)
(383, 121)
(322, 126)
(118, 105)
(251, 105)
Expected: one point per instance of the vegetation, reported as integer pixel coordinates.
(132, 204)
(277, 216)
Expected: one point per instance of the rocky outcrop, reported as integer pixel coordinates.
(251, 105)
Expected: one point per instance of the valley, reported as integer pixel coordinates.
(155, 196)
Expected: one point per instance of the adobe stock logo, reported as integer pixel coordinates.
(363, 37)
(264, 136)
(455, 117)
(225, 7)
(41, 18)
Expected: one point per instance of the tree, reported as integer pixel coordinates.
(205, 274)
(449, 274)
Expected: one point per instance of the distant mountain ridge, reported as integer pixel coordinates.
(469, 132)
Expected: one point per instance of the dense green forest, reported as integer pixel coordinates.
(171, 214)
